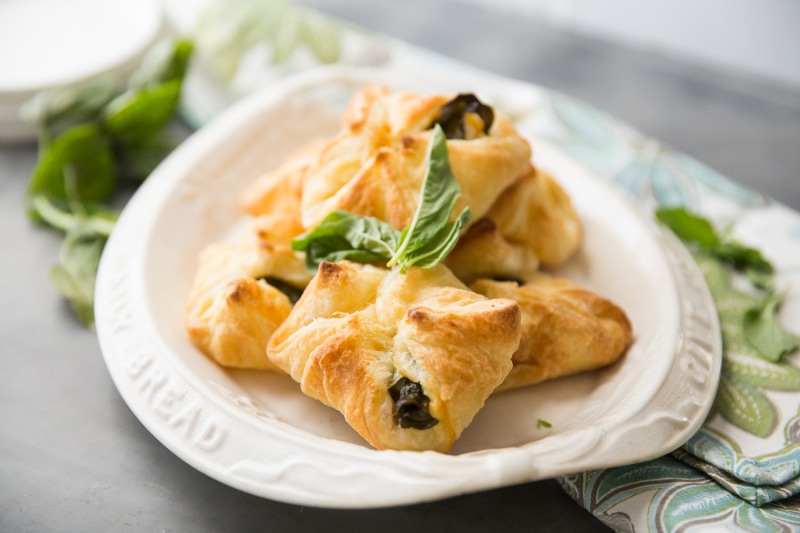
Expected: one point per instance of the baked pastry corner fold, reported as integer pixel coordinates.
(278, 191)
(238, 295)
(483, 252)
(531, 224)
(536, 212)
(566, 329)
(408, 359)
(376, 163)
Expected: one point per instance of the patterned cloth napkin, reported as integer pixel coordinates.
(741, 471)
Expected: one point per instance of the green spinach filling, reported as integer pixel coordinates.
(411, 405)
(452, 118)
(291, 292)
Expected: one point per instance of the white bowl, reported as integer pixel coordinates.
(47, 44)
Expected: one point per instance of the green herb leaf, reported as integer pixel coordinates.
(75, 276)
(87, 152)
(761, 326)
(765, 332)
(167, 61)
(137, 115)
(688, 226)
(322, 36)
(763, 279)
(742, 257)
(227, 31)
(543, 424)
(93, 217)
(431, 235)
(692, 228)
(435, 250)
(425, 242)
(88, 139)
(58, 109)
(137, 161)
(343, 235)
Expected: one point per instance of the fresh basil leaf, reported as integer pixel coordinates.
(436, 250)
(688, 226)
(453, 116)
(228, 31)
(75, 276)
(440, 192)
(741, 257)
(167, 61)
(137, 115)
(88, 139)
(765, 332)
(137, 161)
(322, 36)
(93, 217)
(58, 109)
(764, 280)
(692, 228)
(343, 235)
(317, 254)
(425, 242)
(86, 152)
(287, 38)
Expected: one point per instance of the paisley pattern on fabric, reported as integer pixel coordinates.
(666, 495)
(741, 471)
(644, 167)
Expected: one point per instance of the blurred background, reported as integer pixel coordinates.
(718, 80)
(760, 39)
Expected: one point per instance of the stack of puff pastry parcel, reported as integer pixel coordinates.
(343, 280)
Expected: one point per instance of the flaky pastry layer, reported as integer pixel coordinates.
(358, 329)
(232, 308)
(566, 329)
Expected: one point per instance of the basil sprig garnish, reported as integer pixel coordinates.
(760, 323)
(694, 229)
(96, 141)
(424, 243)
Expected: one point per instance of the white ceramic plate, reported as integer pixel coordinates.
(256, 431)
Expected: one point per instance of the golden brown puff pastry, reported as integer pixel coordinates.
(390, 350)
(277, 192)
(566, 329)
(375, 165)
(531, 224)
(232, 309)
(536, 212)
(482, 252)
